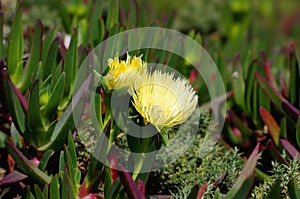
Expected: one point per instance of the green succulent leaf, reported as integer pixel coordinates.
(35, 55)
(10, 100)
(294, 190)
(36, 130)
(54, 188)
(271, 123)
(245, 176)
(44, 160)
(28, 167)
(15, 49)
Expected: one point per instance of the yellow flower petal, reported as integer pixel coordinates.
(164, 101)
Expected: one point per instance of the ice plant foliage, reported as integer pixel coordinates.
(163, 100)
(124, 73)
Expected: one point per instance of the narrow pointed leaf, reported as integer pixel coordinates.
(271, 92)
(12, 177)
(35, 55)
(275, 153)
(15, 48)
(112, 14)
(294, 91)
(10, 100)
(71, 63)
(294, 190)
(246, 173)
(298, 132)
(49, 63)
(54, 188)
(271, 123)
(38, 192)
(292, 151)
(45, 158)
(129, 185)
(275, 192)
(28, 167)
(55, 98)
(35, 125)
(290, 110)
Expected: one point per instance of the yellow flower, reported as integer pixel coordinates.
(164, 101)
(124, 74)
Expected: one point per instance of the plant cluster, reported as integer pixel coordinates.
(45, 154)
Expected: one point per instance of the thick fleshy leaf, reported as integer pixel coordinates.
(54, 188)
(47, 43)
(35, 55)
(112, 14)
(12, 177)
(15, 49)
(71, 65)
(290, 110)
(238, 84)
(50, 61)
(294, 190)
(1, 34)
(55, 98)
(129, 185)
(10, 100)
(298, 132)
(193, 192)
(246, 173)
(275, 191)
(27, 166)
(271, 123)
(294, 91)
(38, 192)
(275, 153)
(36, 130)
(292, 151)
(45, 158)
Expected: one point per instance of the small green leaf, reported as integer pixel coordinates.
(46, 191)
(293, 188)
(275, 153)
(107, 182)
(15, 49)
(35, 55)
(71, 65)
(36, 130)
(38, 192)
(275, 191)
(294, 91)
(44, 160)
(47, 43)
(112, 14)
(55, 98)
(115, 189)
(10, 101)
(49, 64)
(194, 192)
(298, 132)
(271, 123)
(271, 92)
(54, 188)
(292, 151)
(62, 161)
